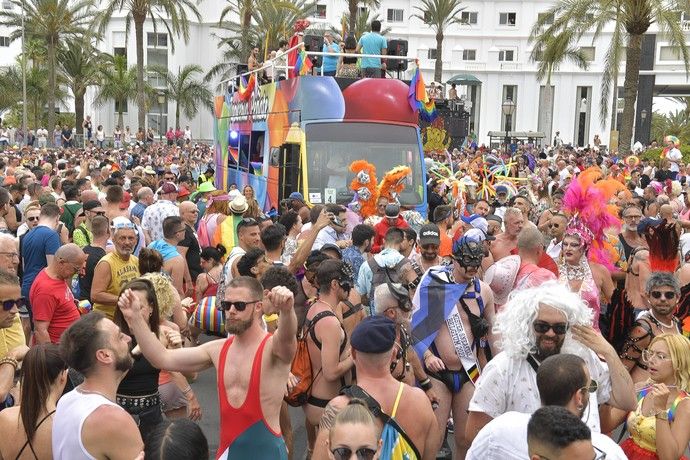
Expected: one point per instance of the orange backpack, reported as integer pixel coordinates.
(301, 364)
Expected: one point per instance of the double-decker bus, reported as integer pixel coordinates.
(302, 134)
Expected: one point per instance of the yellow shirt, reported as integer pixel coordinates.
(121, 273)
(11, 337)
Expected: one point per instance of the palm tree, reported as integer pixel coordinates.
(187, 92)
(353, 13)
(673, 123)
(630, 19)
(550, 53)
(171, 13)
(10, 88)
(118, 83)
(362, 24)
(37, 84)
(79, 63)
(244, 9)
(439, 15)
(50, 21)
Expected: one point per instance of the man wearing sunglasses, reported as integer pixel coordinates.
(82, 235)
(556, 230)
(537, 323)
(11, 353)
(253, 365)
(563, 380)
(662, 294)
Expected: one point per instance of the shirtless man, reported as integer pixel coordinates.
(373, 352)
(328, 350)
(429, 241)
(507, 241)
(448, 375)
(253, 365)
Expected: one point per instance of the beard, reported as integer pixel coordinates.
(429, 257)
(124, 363)
(237, 327)
(544, 350)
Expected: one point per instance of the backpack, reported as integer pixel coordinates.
(301, 364)
(380, 275)
(202, 234)
(396, 444)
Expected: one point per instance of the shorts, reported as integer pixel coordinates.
(171, 397)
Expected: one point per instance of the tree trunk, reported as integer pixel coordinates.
(246, 22)
(120, 120)
(614, 102)
(51, 83)
(632, 76)
(438, 65)
(141, 95)
(352, 11)
(548, 109)
(177, 115)
(79, 109)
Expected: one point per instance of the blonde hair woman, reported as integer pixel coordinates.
(354, 431)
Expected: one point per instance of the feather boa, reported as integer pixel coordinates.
(663, 244)
(393, 183)
(587, 201)
(364, 186)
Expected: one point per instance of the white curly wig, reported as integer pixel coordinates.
(514, 322)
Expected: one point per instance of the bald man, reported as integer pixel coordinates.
(189, 247)
(51, 294)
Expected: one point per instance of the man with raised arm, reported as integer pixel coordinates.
(252, 365)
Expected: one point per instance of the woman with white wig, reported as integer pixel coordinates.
(535, 324)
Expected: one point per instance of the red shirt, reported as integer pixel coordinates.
(381, 228)
(545, 261)
(52, 301)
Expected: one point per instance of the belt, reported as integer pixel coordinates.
(138, 402)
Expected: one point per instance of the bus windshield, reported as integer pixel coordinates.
(332, 147)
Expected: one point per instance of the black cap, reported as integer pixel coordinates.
(92, 204)
(374, 334)
(392, 210)
(332, 247)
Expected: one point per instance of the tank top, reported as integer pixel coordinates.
(72, 410)
(141, 380)
(244, 432)
(121, 273)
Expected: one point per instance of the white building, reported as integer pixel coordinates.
(492, 50)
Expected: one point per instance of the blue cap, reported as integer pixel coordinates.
(296, 196)
(501, 189)
(374, 334)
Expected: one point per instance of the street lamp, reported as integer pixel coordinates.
(25, 123)
(508, 108)
(643, 115)
(161, 101)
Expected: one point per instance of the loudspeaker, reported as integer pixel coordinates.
(314, 43)
(397, 48)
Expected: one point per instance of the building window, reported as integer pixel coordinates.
(431, 53)
(469, 55)
(507, 19)
(469, 17)
(545, 18)
(509, 92)
(155, 40)
(4, 41)
(589, 53)
(121, 105)
(670, 53)
(506, 55)
(320, 11)
(117, 51)
(362, 11)
(6, 5)
(395, 15)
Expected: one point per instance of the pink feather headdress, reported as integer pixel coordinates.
(587, 201)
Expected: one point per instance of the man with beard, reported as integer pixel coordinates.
(429, 242)
(537, 323)
(11, 352)
(252, 365)
(662, 294)
(459, 346)
(88, 423)
(362, 237)
(563, 380)
(116, 269)
(507, 241)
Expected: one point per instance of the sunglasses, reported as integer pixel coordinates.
(226, 305)
(31, 219)
(7, 305)
(554, 225)
(345, 453)
(591, 387)
(667, 294)
(543, 327)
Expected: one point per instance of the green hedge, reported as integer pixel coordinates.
(655, 154)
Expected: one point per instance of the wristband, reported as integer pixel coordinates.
(425, 384)
(10, 360)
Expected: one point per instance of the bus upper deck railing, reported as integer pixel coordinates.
(270, 64)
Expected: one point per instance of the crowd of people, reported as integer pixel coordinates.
(531, 313)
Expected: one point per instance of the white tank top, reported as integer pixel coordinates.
(72, 409)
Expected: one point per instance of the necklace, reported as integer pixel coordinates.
(666, 326)
(80, 389)
(329, 305)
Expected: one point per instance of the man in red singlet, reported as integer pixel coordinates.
(253, 366)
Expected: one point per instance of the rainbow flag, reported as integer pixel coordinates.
(247, 87)
(419, 99)
(257, 167)
(303, 64)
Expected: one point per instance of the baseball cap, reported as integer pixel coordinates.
(332, 247)
(392, 210)
(475, 234)
(476, 221)
(501, 189)
(296, 196)
(429, 234)
(206, 187)
(91, 205)
(183, 192)
(167, 187)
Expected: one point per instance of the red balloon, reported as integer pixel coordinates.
(378, 99)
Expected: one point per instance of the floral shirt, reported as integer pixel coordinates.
(153, 217)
